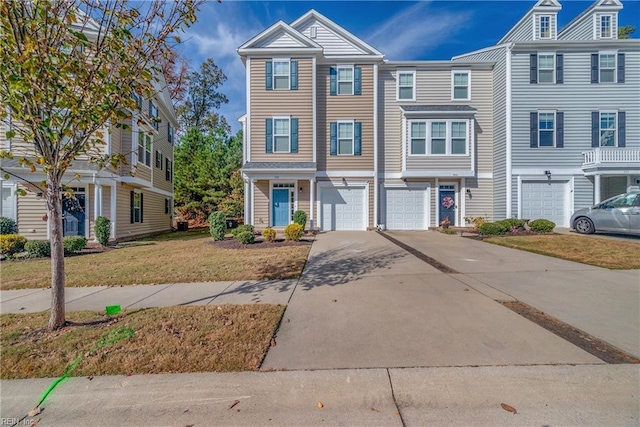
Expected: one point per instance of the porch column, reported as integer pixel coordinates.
(596, 190)
(437, 203)
(463, 201)
(247, 204)
(113, 214)
(252, 201)
(312, 186)
(97, 204)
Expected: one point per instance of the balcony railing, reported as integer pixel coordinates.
(611, 155)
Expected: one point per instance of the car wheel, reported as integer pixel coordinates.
(584, 226)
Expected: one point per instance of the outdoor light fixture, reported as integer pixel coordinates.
(301, 189)
(38, 196)
(548, 173)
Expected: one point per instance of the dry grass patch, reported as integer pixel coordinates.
(175, 339)
(607, 253)
(171, 258)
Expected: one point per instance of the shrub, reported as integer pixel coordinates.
(269, 234)
(8, 226)
(293, 232)
(246, 237)
(73, 244)
(512, 223)
(217, 225)
(242, 229)
(232, 205)
(38, 248)
(542, 225)
(300, 217)
(103, 230)
(448, 231)
(492, 229)
(11, 244)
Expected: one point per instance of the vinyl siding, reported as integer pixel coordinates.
(332, 43)
(577, 98)
(31, 211)
(161, 143)
(280, 40)
(480, 200)
(261, 199)
(155, 220)
(106, 207)
(581, 30)
(582, 192)
(270, 103)
(522, 32)
(303, 199)
(345, 107)
(389, 124)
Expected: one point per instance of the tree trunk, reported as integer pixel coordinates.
(54, 209)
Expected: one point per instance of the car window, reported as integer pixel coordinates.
(623, 201)
(637, 202)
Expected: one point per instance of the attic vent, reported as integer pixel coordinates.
(313, 32)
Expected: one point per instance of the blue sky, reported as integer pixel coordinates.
(402, 30)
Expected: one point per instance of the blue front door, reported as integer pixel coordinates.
(447, 206)
(73, 214)
(280, 201)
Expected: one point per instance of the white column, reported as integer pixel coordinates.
(247, 203)
(113, 211)
(97, 204)
(463, 200)
(597, 195)
(437, 203)
(312, 186)
(252, 198)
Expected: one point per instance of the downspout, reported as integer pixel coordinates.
(375, 145)
(508, 172)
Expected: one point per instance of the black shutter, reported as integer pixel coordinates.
(268, 75)
(595, 129)
(559, 129)
(268, 143)
(594, 68)
(622, 131)
(141, 206)
(533, 117)
(333, 138)
(621, 68)
(533, 68)
(559, 68)
(132, 214)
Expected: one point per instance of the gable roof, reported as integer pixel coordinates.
(279, 36)
(312, 16)
(541, 6)
(599, 4)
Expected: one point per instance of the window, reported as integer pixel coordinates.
(167, 206)
(545, 27)
(460, 86)
(345, 81)
(546, 129)
(345, 138)
(458, 138)
(418, 138)
(136, 207)
(153, 114)
(546, 68)
(158, 159)
(605, 26)
(406, 85)
(281, 75)
(607, 129)
(144, 148)
(8, 201)
(438, 138)
(281, 135)
(168, 172)
(607, 67)
(137, 98)
(170, 133)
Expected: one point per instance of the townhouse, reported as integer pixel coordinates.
(541, 124)
(137, 196)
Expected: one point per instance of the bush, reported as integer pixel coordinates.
(512, 223)
(246, 237)
(73, 244)
(476, 221)
(269, 234)
(232, 205)
(448, 231)
(38, 248)
(102, 230)
(492, 229)
(8, 226)
(11, 244)
(293, 232)
(300, 217)
(217, 225)
(542, 225)
(242, 229)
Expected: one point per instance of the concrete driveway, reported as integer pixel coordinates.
(363, 302)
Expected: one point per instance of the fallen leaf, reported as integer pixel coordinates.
(235, 402)
(335, 300)
(35, 411)
(36, 422)
(374, 409)
(466, 289)
(90, 378)
(320, 405)
(273, 342)
(508, 408)
(288, 320)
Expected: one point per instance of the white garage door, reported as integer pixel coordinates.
(343, 208)
(544, 199)
(405, 208)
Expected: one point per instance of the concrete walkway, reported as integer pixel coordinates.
(139, 296)
(542, 395)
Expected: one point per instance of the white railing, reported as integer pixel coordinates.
(611, 155)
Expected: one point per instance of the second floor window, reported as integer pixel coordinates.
(460, 86)
(605, 26)
(346, 138)
(158, 159)
(406, 86)
(281, 75)
(438, 137)
(547, 129)
(607, 68)
(545, 27)
(153, 115)
(144, 148)
(136, 207)
(170, 133)
(607, 129)
(168, 173)
(546, 68)
(281, 135)
(345, 80)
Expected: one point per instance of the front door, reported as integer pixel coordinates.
(73, 214)
(280, 202)
(447, 200)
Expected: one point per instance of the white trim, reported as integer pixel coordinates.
(436, 195)
(428, 173)
(594, 21)
(553, 68)
(353, 137)
(572, 188)
(313, 108)
(248, 113)
(404, 71)
(463, 198)
(597, 189)
(273, 72)
(448, 137)
(273, 134)
(346, 174)
(405, 142)
(484, 175)
(540, 171)
(460, 71)
(293, 190)
(519, 201)
(353, 78)
(247, 217)
(615, 129)
(376, 198)
(471, 143)
(353, 184)
(134, 139)
(537, 21)
(13, 187)
(614, 53)
(456, 189)
(107, 148)
(280, 25)
(508, 142)
(555, 129)
(114, 212)
(312, 195)
(253, 201)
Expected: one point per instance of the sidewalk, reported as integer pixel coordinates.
(541, 395)
(139, 296)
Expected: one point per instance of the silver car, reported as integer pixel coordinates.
(619, 214)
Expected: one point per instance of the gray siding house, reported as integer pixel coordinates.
(566, 112)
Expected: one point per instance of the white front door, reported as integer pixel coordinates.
(545, 199)
(342, 208)
(405, 208)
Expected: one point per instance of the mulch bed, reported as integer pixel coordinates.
(472, 235)
(260, 243)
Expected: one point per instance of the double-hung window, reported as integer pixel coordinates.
(136, 207)
(606, 31)
(406, 86)
(546, 67)
(608, 129)
(544, 22)
(168, 166)
(345, 138)
(345, 80)
(458, 137)
(438, 140)
(460, 87)
(281, 74)
(546, 128)
(281, 135)
(144, 148)
(170, 133)
(607, 68)
(153, 114)
(418, 138)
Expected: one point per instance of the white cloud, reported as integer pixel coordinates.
(416, 30)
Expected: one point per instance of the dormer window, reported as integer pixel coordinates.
(605, 27)
(545, 26)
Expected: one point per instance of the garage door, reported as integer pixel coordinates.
(405, 208)
(544, 199)
(343, 208)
